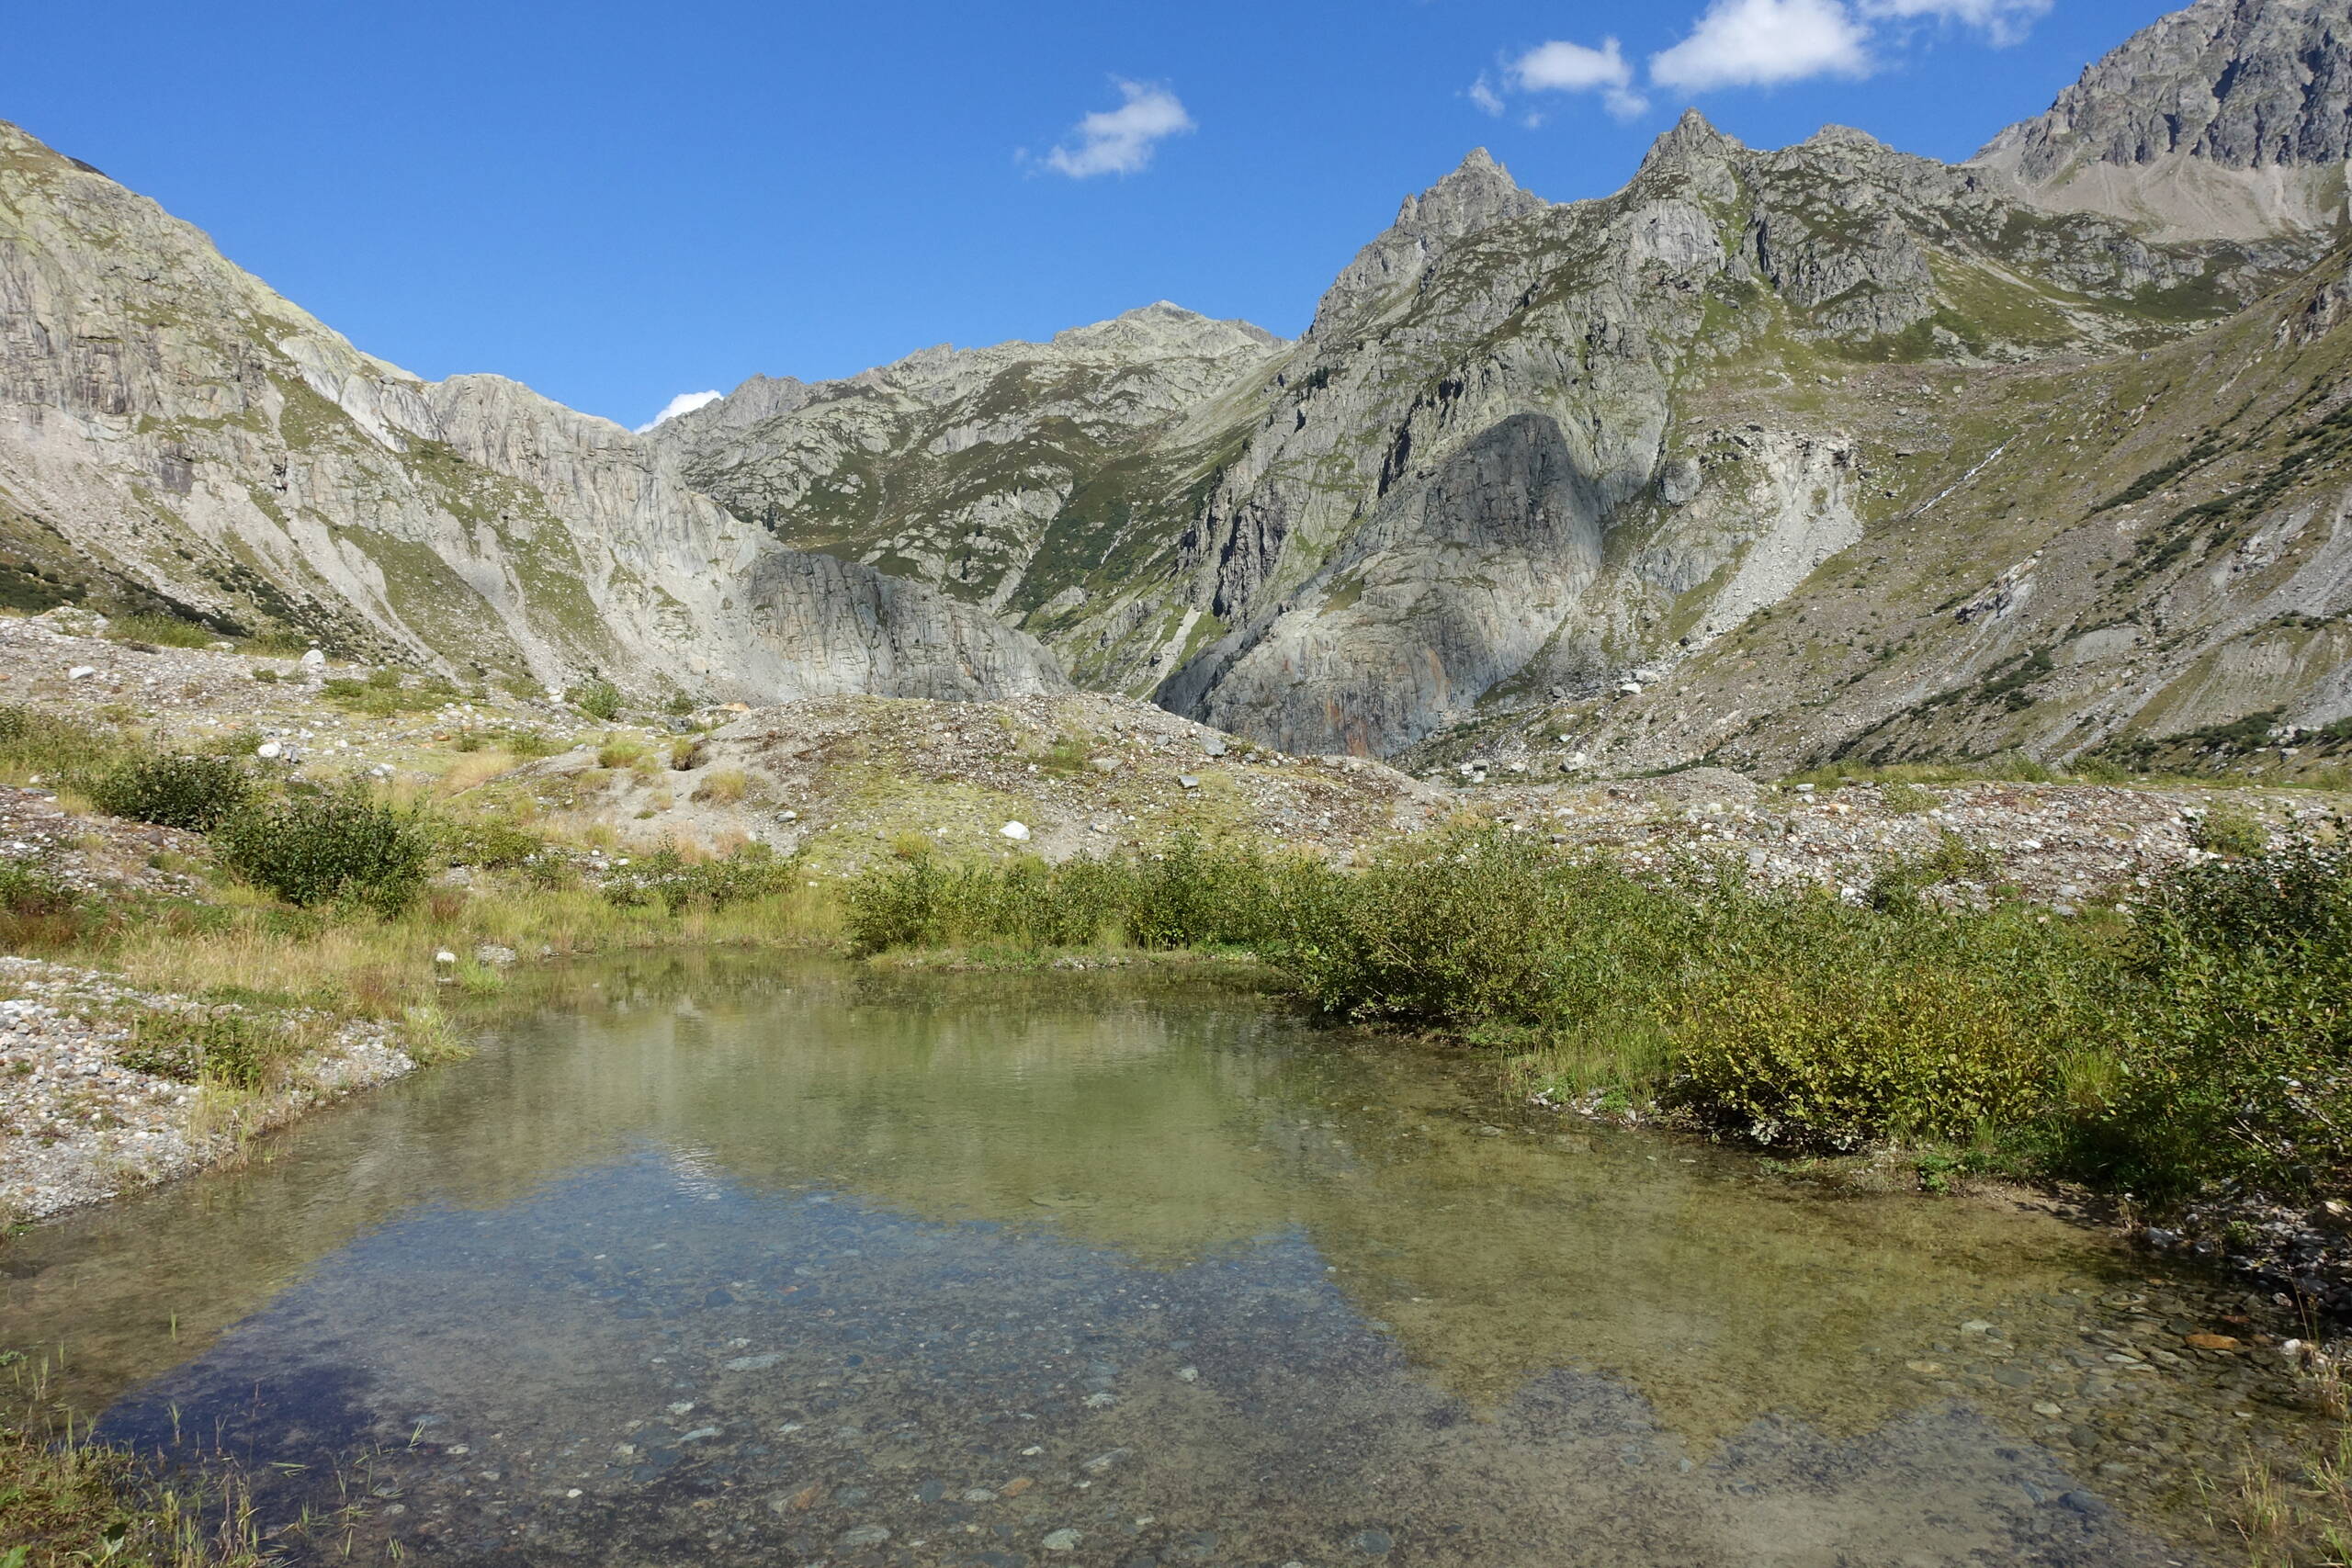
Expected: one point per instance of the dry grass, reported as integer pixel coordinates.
(620, 751)
(2299, 1521)
(385, 967)
(724, 786)
(469, 769)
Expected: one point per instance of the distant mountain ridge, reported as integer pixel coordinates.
(174, 433)
(2230, 118)
(1771, 455)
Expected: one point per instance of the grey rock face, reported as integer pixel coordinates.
(1495, 482)
(952, 467)
(175, 432)
(2242, 83)
(2231, 117)
(1491, 468)
(1476, 196)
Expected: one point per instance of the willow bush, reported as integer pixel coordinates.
(2205, 1037)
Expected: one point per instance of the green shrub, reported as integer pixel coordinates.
(2237, 1054)
(666, 878)
(162, 631)
(32, 889)
(1908, 800)
(1489, 929)
(1901, 881)
(344, 846)
(494, 846)
(2230, 831)
(174, 790)
(1827, 1051)
(598, 698)
(1187, 896)
(220, 1047)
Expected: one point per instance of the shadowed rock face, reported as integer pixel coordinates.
(173, 433)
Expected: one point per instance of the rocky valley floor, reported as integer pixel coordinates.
(839, 785)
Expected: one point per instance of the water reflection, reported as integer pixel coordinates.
(703, 1260)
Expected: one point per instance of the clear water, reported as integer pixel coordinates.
(723, 1263)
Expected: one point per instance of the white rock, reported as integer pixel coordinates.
(1017, 831)
(444, 956)
(270, 750)
(80, 672)
(314, 659)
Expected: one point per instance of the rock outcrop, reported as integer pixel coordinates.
(174, 435)
(2232, 119)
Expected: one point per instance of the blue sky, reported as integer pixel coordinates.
(618, 203)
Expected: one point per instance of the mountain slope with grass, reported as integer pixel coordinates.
(1532, 456)
(175, 437)
(1777, 458)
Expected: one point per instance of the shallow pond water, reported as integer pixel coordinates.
(733, 1262)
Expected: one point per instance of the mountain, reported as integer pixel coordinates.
(962, 468)
(174, 436)
(2231, 117)
(1526, 450)
(1773, 456)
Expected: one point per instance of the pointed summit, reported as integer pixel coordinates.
(1693, 143)
(1477, 193)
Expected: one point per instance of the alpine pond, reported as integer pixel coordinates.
(711, 1261)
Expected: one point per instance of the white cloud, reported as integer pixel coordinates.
(684, 403)
(2002, 22)
(1563, 67)
(1120, 141)
(1756, 43)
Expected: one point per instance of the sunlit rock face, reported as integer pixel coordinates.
(172, 431)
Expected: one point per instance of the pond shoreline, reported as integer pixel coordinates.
(1125, 1184)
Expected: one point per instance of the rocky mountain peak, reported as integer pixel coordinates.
(1692, 139)
(1164, 328)
(1694, 151)
(1477, 194)
(2232, 119)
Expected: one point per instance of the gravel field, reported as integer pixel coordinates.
(78, 1125)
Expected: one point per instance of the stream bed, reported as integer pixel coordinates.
(720, 1261)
